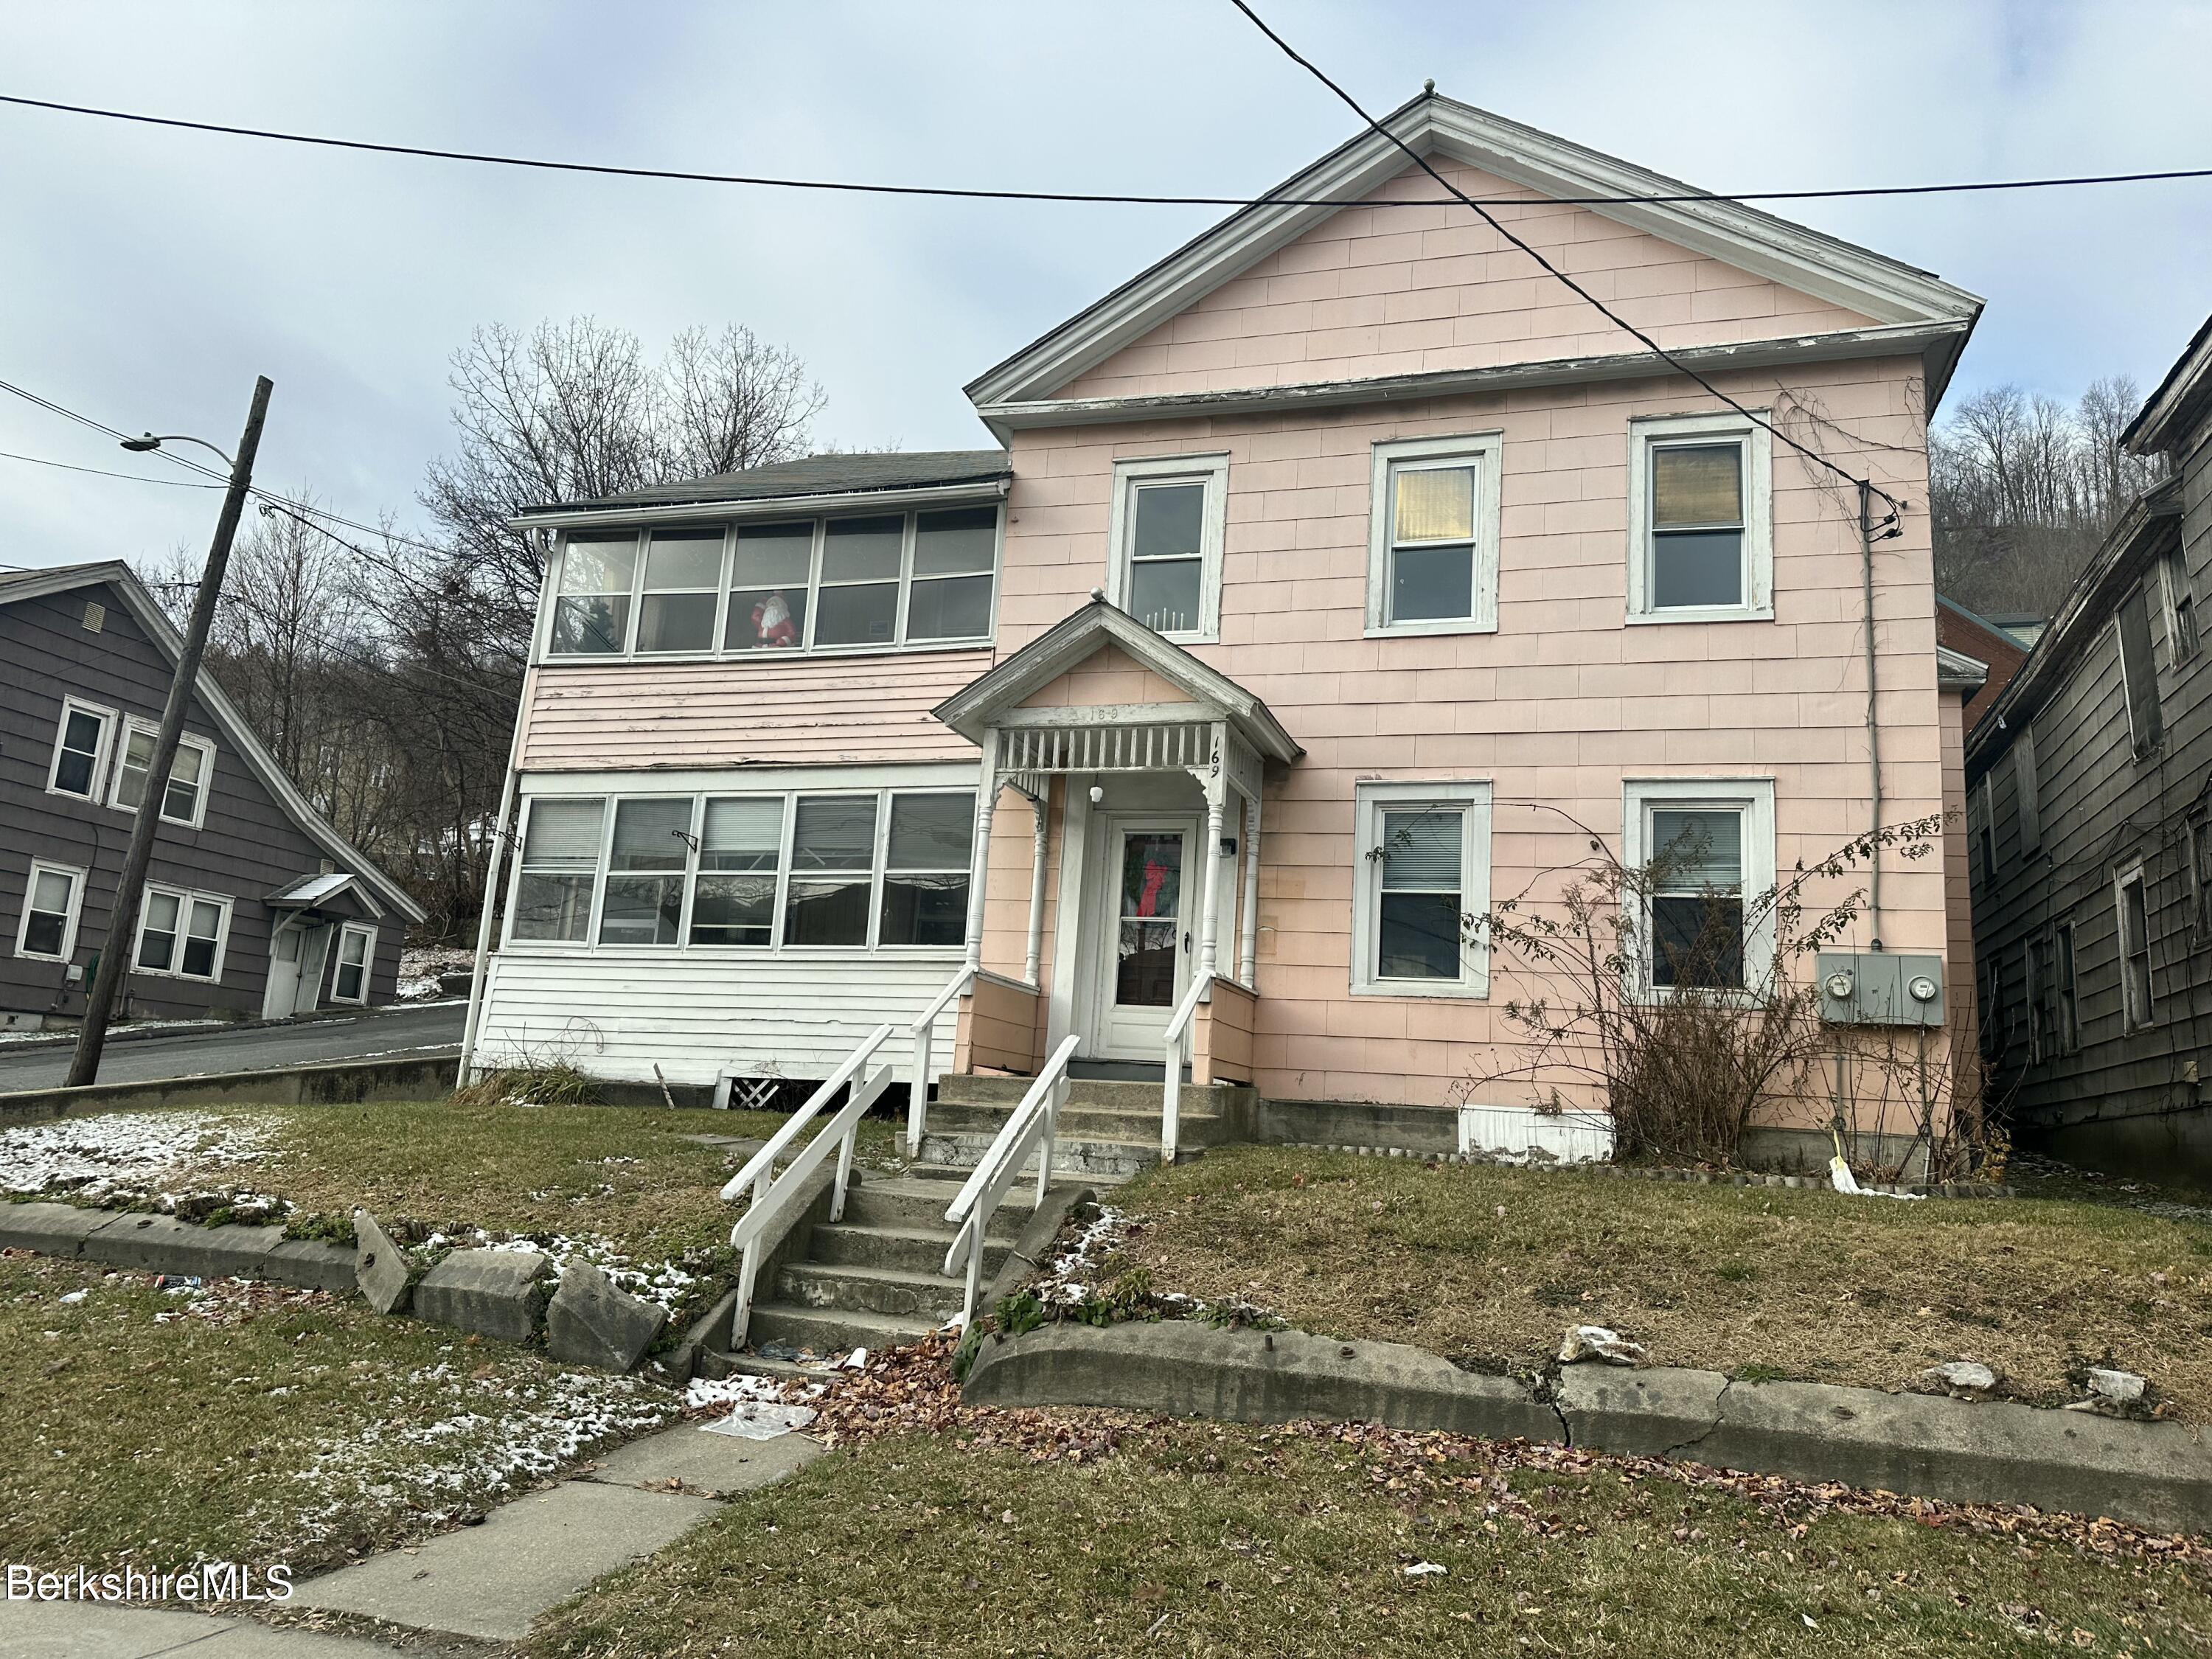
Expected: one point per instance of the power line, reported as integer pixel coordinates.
(974, 194)
(101, 472)
(1421, 162)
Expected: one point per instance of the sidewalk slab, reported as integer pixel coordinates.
(491, 1581)
(709, 1462)
(84, 1630)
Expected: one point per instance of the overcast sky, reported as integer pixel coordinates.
(147, 276)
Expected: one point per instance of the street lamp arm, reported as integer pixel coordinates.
(149, 442)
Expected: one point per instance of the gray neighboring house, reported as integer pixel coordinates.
(2089, 808)
(255, 907)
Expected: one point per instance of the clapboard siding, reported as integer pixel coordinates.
(248, 846)
(789, 711)
(698, 1014)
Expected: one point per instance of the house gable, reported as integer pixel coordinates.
(1109, 675)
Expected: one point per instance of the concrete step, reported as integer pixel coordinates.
(971, 1089)
(836, 1330)
(895, 1291)
(1086, 1122)
(907, 1250)
(917, 1199)
(1099, 1159)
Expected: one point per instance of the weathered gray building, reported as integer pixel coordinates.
(2089, 809)
(255, 907)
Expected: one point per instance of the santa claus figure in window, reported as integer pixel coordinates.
(772, 622)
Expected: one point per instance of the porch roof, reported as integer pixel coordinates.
(988, 699)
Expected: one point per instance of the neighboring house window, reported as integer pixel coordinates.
(1423, 873)
(357, 953)
(926, 869)
(50, 900)
(2040, 1045)
(80, 749)
(557, 876)
(181, 935)
(1701, 543)
(2069, 1001)
(873, 583)
(2133, 914)
(2180, 605)
(1987, 833)
(1166, 539)
(2200, 876)
(184, 800)
(1433, 536)
(646, 865)
(1707, 849)
(2030, 809)
(740, 851)
(2138, 673)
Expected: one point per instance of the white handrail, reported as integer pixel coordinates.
(1201, 987)
(1031, 1126)
(924, 1032)
(772, 1193)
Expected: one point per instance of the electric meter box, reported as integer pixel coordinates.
(1881, 987)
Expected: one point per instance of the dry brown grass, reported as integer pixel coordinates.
(1490, 1265)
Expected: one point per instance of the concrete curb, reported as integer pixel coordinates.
(2156, 1475)
(160, 1243)
(326, 1083)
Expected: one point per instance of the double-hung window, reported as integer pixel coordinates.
(680, 588)
(1701, 545)
(557, 876)
(1433, 536)
(184, 800)
(356, 955)
(646, 865)
(858, 601)
(833, 856)
(1704, 854)
(740, 851)
(1166, 535)
(2139, 672)
(2180, 606)
(81, 745)
(925, 867)
(52, 899)
(181, 935)
(591, 604)
(2131, 914)
(770, 578)
(1421, 890)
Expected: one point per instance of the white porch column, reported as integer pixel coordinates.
(1248, 931)
(1040, 805)
(986, 805)
(1217, 787)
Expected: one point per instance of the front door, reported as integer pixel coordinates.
(1146, 958)
(283, 970)
(314, 946)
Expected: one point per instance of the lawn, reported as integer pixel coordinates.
(1090, 1533)
(259, 1426)
(1489, 1266)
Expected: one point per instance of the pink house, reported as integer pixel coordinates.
(1338, 575)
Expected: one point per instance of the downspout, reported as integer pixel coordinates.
(1873, 720)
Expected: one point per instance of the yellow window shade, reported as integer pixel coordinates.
(1696, 485)
(1436, 504)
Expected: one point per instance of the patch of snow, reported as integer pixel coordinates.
(121, 1156)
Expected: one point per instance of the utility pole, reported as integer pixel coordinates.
(123, 919)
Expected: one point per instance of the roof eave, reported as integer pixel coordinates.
(760, 507)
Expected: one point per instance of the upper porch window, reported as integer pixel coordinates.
(877, 581)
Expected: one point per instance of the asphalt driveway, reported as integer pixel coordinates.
(216, 1048)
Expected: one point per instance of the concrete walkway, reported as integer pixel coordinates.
(201, 1049)
(486, 1582)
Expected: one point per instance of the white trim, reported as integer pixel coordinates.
(77, 879)
(111, 721)
(1755, 798)
(2131, 875)
(1485, 450)
(1209, 470)
(1646, 433)
(1472, 797)
(186, 897)
(338, 964)
(753, 780)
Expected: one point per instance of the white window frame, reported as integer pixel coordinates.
(133, 723)
(1755, 798)
(1471, 797)
(518, 868)
(367, 961)
(1213, 471)
(731, 530)
(1646, 433)
(1485, 450)
(2131, 1017)
(111, 721)
(186, 898)
(77, 879)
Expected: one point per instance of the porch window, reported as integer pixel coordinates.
(683, 582)
(1433, 558)
(1700, 520)
(1705, 853)
(2133, 915)
(954, 553)
(591, 611)
(646, 864)
(356, 951)
(79, 747)
(1167, 533)
(926, 869)
(859, 599)
(1425, 880)
(558, 877)
(181, 935)
(740, 849)
(184, 800)
(833, 854)
(51, 902)
(768, 580)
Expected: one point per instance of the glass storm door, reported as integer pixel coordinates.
(1147, 966)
